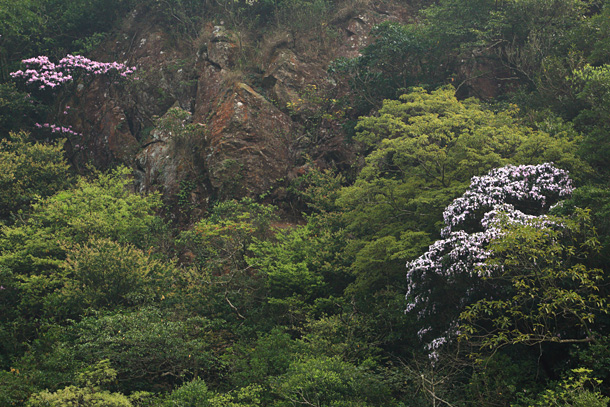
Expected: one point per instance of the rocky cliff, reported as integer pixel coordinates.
(225, 113)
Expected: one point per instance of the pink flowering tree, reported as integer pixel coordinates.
(456, 272)
(44, 74)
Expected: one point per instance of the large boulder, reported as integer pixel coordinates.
(249, 141)
(97, 114)
(287, 76)
(223, 47)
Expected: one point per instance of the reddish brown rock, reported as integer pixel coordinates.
(96, 113)
(223, 47)
(287, 76)
(248, 143)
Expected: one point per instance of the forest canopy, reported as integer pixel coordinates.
(442, 237)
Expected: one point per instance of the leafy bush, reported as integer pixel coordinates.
(329, 381)
(89, 394)
(106, 274)
(29, 171)
(576, 390)
(191, 394)
(151, 349)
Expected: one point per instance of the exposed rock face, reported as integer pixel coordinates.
(249, 139)
(96, 112)
(162, 164)
(246, 143)
(286, 75)
(222, 47)
(357, 32)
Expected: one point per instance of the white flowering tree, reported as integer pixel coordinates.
(544, 290)
(500, 254)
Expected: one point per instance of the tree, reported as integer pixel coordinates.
(87, 393)
(515, 274)
(33, 251)
(44, 74)
(422, 151)
(548, 294)
(29, 171)
(151, 348)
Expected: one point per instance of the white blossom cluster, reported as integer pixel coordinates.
(536, 186)
(515, 194)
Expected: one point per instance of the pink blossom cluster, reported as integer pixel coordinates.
(46, 74)
(58, 129)
(457, 263)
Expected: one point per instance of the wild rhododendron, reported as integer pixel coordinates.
(46, 74)
(453, 267)
(58, 129)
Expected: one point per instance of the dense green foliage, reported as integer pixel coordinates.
(546, 292)
(105, 302)
(29, 171)
(53, 27)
